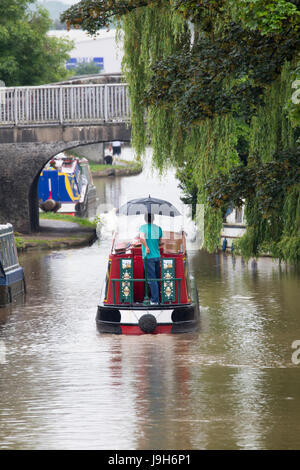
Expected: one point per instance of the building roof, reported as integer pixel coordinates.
(77, 35)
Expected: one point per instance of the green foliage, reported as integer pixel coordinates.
(93, 15)
(86, 68)
(288, 249)
(213, 222)
(188, 185)
(20, 243)
(68, 218)
(195, 82)
(27, 55)
(212, 80)
(268, 183)
(293, 101)
(278, 237)
(149, 34)
(273, 212)
(269, 16)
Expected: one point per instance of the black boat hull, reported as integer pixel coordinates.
(137, 320)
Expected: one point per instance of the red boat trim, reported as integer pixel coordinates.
(135, 330)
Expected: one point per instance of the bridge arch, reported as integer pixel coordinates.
(24, 151)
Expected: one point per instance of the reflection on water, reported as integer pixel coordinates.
(232, 385)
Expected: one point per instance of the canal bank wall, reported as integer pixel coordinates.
(129, 170)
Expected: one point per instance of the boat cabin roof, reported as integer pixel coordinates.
(64, 164)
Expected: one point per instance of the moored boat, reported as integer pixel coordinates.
(12, 280)
(66, 186)
(125, 307)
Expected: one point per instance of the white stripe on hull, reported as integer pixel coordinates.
(133, 316)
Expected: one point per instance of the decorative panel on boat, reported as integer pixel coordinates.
(168, 273)
(126, 272)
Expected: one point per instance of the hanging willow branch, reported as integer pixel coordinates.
(266, 16)
(268, 183)
(92, 15)
(227, 74)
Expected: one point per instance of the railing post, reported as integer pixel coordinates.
(60, 106)
(71, 97)
(16, 107)
(27, 106)
(105, 103)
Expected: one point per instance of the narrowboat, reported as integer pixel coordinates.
(12, 280)
(124, 306)
(66, 186)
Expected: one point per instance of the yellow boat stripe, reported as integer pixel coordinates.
(69, 189)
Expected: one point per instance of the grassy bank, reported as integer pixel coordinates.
(124, 168)
(59, 236)
(68, 218)
(35, 243)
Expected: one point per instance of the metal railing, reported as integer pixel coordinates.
(146, 299)
(66, 104)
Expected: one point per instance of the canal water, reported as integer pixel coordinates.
(234, 384)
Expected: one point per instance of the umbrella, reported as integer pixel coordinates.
(148, 205)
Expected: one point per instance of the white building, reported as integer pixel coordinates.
(234, 226)
(103, 49)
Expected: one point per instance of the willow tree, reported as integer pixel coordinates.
(215, 79)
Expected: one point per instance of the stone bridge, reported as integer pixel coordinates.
(36, 123)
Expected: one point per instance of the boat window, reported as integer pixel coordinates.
(85, 171)
(239, 215)
(8, 253)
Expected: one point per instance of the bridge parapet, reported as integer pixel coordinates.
(64, 105)
(36, 123)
